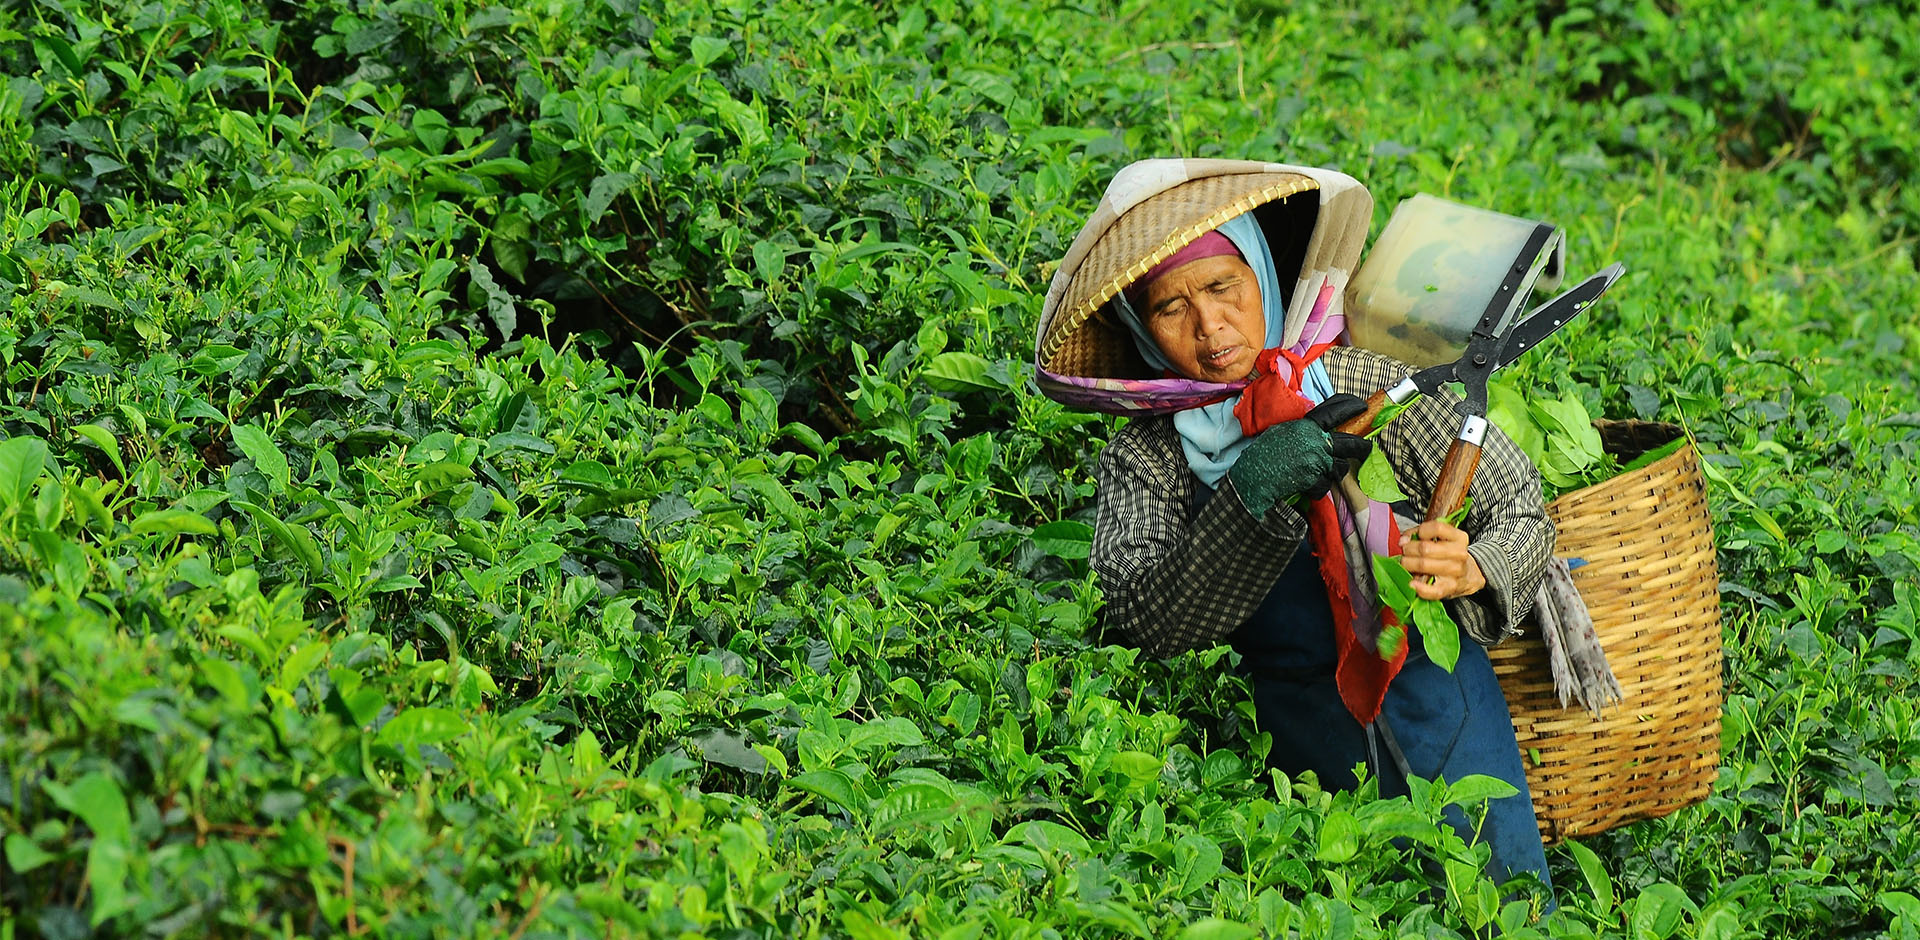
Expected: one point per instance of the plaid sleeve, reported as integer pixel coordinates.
(1176, 580)
(1507, 527)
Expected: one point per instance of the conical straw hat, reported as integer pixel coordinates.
(1152, 209)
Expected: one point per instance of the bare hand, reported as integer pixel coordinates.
(1438, 560)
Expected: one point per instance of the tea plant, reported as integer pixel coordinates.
(572, 469)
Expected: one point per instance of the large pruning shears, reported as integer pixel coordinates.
(1488, 348)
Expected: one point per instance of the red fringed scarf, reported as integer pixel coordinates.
(1360, 674)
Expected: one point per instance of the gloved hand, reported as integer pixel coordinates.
(1302, 457)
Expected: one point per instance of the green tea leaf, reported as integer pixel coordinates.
(831, 785)
(1393, 639)
(1507, 410)
(533, 556)
(707, 50)
(1391, 819)
(430, 128)
(1138, 765)
(1396, 585)
(292, 536)
(1046, 835)
(1479, 788)
(731, 750)
(769, 261)
(1196, 860)
(1656, 455)
(1594, 873)
(588, 472)
(1387, 413)
(302, 662)
(1064, 538)
(23, 855)
(1656, 914)
(264, 453)
(500, 305)
(1339, 838)
(1213, 928)
(97, 799)
(1904, 907)
(1377, 480)
(886, 732)
(422, 725)
(959, 372)
(1438, 632)
(509, 244)
(20, 461)
(63, 51)
(102, 438)
(807, 436)
(217, 359)
(429, 351)
(605, 189)
(173, 522)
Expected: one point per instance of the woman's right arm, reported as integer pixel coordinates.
(1175, 580)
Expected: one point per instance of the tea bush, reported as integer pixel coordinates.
(571, 469)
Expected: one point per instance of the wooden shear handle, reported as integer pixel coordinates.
(1456, 474)
(1363, 422)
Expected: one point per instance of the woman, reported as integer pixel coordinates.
(1226, 513)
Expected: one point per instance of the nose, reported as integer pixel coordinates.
(1210, 316)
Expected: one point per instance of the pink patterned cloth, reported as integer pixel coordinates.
(1132, 396)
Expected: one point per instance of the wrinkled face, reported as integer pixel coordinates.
(1205, 315)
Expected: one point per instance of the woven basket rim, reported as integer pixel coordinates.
(1663, 466)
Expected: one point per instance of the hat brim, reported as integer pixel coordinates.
(1076, 339)
(1152, 209)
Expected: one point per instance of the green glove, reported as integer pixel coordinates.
(1299, 457)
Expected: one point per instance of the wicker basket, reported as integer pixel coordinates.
(1652, 585)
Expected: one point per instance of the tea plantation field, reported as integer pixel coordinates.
(570, 468)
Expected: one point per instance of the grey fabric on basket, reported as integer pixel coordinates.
(1579, 666)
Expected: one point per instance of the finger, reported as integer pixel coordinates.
(1421, 566)
(1324, 485)
(1436, 589)
(1348, 446)
(1439, 530)
(1337, 410)
(1429, 548)
(1453, 552)
(1423, 553)
(1435, 534)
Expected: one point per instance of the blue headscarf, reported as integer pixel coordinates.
(1210, 434)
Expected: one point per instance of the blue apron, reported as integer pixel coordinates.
(1445, 724)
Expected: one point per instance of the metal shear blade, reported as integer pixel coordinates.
(1488, 352)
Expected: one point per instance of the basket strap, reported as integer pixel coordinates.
(1385, 736)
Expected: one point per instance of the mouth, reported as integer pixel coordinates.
(1222, 356)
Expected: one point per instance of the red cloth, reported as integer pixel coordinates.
(1359, 673)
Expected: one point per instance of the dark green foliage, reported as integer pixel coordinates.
(570, 469)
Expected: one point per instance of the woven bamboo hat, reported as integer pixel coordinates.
(1315, 221)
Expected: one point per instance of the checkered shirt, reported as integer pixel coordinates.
(1175, 579)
